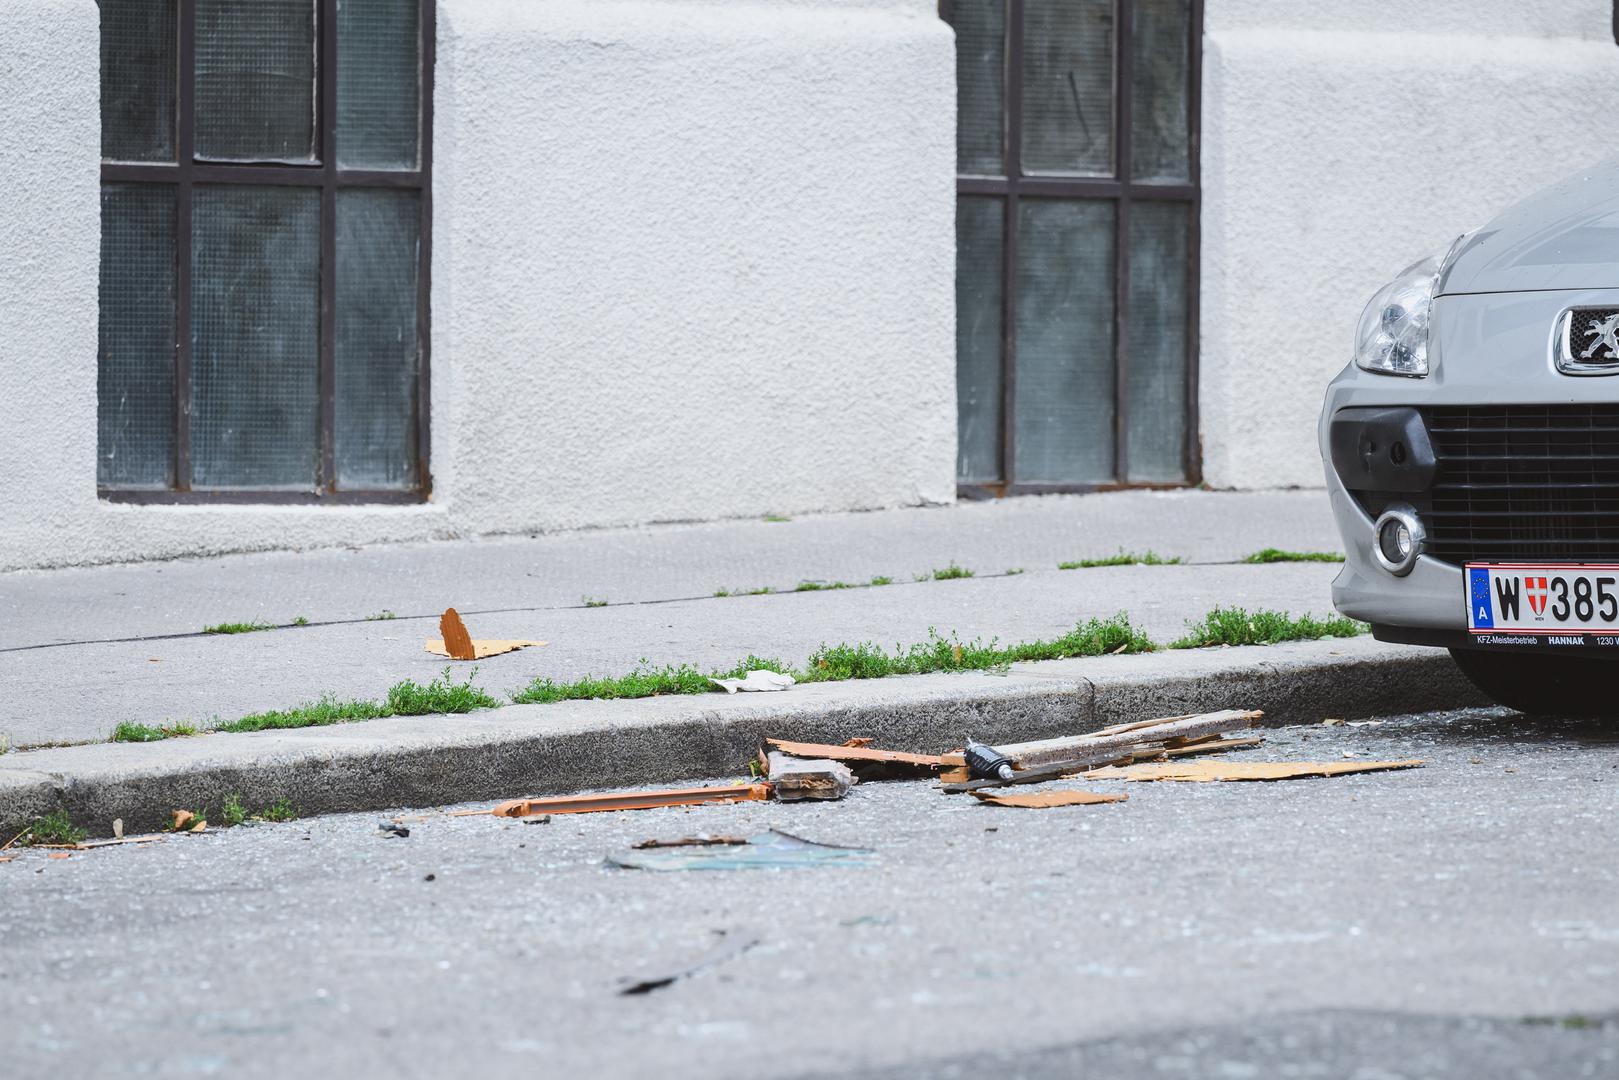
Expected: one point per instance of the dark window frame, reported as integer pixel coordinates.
(1122, 190)
(185, 171)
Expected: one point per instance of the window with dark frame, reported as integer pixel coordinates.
(265, 214)
(1076, 228)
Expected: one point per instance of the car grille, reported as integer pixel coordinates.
(1524, 482)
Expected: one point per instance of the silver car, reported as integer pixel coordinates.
(1472, 453)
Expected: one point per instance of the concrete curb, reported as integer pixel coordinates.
(570, 746)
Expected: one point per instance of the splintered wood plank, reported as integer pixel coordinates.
(1042, 800)
(1209, 771)
(854, 753)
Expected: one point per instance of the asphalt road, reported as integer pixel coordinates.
(1458, 920)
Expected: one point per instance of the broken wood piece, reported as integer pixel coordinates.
(1041, 800)
(858, 742)
(1047, 759)
(1214, 745)
(1207, 771)
(701, 840)
(1073, 747)
(458, 644)
(849, 754)
(808, 778)
(147, 838)
(631, 800)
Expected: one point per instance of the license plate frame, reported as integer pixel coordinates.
(1543, 603)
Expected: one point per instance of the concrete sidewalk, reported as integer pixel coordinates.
(82, 649)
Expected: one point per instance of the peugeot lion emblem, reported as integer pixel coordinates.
(1588, 341)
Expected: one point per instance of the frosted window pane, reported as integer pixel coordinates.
(1162, 74)
(377, 354)
(138, 44)
(1158, 251)
(256, 80)
(255, 317)
(135, 358)
(980, 77)
(980, 224)
(1068, 87)
(1065, 364)
(377, 91)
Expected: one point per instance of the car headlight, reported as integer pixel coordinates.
(1392, 338)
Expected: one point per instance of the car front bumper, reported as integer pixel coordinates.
(1484, 349)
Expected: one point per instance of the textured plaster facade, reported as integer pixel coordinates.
(691, 260)
(694, 258)
(1342, 143)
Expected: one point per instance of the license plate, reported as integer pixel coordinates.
(1574, 604)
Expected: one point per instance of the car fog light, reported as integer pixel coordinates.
(1399, 537)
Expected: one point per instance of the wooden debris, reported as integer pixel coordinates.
(853, 754)
(457, 644)
(1207, 771)
(631, 800)
(807, 778)
(1214, 746)
(1041, 800)
(701, 840)
(181, 819)
(1048, 759)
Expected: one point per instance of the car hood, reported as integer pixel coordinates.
(1564, 237)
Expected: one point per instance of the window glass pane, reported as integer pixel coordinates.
(377, 84)
(1161, 74)
(980, 74)
(135, 358)
(256, 80)
(377, 352)
(255, 317)
(1068, 87)
(980, 224)
(1159, 239)
(137, 80)
(1065, 365)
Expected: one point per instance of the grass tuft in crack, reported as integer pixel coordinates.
(820, 586)
(1235, 626)
(52, 828)
(590, 602)
(1274, 555)
(280, 810)
(642, 682)
(1123, 558)
(832, 663)
(128, 731)
(382, 616)
(950, 573)
(232, 812)
(237, 627)
(880, 580)
(405, 698)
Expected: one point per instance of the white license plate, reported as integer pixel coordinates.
(1560, 602)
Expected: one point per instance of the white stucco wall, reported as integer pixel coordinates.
(692, 259)
(1343, 142)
